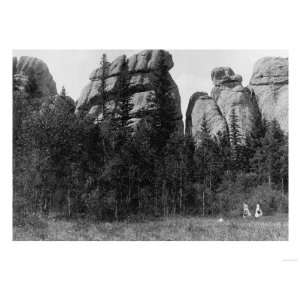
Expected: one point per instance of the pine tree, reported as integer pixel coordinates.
(120, 141)
(203, 151)
(163, 124)
(273, 145)
(235, 141)
(209, 165)
(190, 148)
(253, 141)
(103, 70)
(204, 135)
(270, 160)
(63, 92)
(124, 102)
(223, 142)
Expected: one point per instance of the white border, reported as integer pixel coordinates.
(136, 270)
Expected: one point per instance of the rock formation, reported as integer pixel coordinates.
(267, 92)
(269, 82)
(32, 79)
(31, 75)
(229, 94)
(201, 104)
(145, 69)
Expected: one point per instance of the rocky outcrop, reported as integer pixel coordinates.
(201, 105)
(224, 76)
(145, 69)
(229, 94)
(269, 82)
(31, 75)
(32, 79)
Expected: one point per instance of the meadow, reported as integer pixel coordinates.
(267, 228)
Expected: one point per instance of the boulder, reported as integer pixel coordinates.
(200, 105)
(269, 82)
(144, 69)
(32, 75)
(150, 61)
(229, 94)
(225, 76)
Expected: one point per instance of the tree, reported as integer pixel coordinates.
(274, 145)
(223, 141)
(163, 124)
(209, 164)
(235, 141)
(103, 70)
(63, 92)
(253, 141)
(124, 98)
(105, 132)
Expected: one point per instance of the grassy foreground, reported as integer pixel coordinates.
(268, 228)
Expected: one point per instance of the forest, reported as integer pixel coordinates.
(109, 170)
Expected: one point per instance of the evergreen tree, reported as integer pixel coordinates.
(209, 164)
(253, 141)
(103, 72)
(163, 124)
(125, 105)
(63, 92)
(223, 142)
(270, 160)
(190, 148)
(273, 146)
(235, 141)
(203, 136)
(118, 165)
(122, 131)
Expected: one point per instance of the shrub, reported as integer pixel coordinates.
(270, 200)
(231, 197)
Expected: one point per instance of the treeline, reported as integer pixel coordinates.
(111, 169)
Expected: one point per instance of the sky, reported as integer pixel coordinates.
(191, 71)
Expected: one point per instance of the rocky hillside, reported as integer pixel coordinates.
(31, 75)
(32, 78)
(267, 94)
(201, 104)
(269, 82)
(145, 69)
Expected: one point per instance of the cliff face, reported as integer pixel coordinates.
(266, 95)
(31, 75)
(269, 82)
(145, 69)
(229, 94)
(267, 92)
(201, 105)
(32, 79)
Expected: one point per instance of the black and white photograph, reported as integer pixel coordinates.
(149, 150)
(151, 145)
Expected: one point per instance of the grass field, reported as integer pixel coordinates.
(268, 228)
